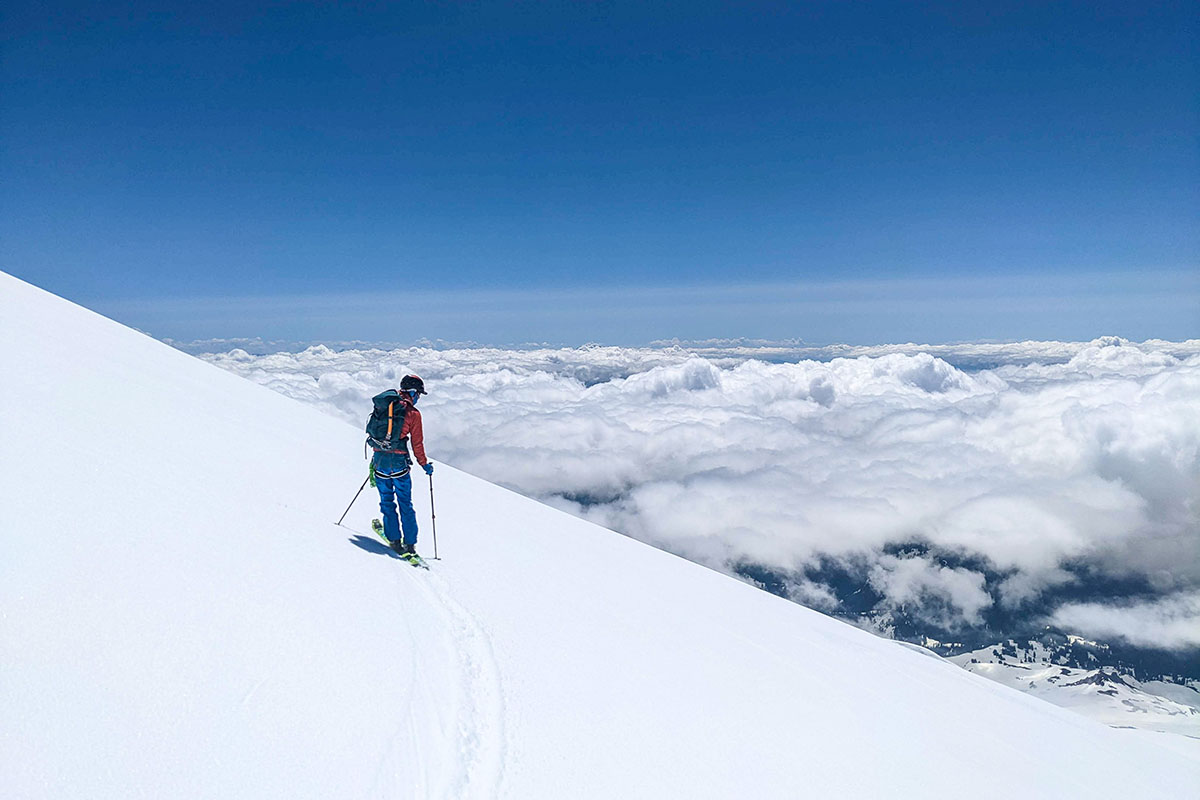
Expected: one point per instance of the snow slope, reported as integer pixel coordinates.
(179, 617)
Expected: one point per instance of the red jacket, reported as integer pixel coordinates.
(412, 429)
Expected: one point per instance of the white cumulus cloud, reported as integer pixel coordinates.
(1169, 623)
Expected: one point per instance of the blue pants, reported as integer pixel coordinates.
(397, 492)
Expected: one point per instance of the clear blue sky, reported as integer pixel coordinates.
(842, 171)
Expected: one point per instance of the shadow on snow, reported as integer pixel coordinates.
(373, 546)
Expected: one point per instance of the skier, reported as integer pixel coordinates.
(391, 462)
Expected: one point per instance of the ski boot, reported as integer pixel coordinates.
(409, 554)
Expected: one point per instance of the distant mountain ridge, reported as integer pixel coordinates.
(1161, 688)
(1084, 676)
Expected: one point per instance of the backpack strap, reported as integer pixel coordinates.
(391, 406)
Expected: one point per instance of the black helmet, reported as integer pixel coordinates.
(412, 383)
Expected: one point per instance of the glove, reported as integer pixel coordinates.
(371, 474)
(429, 468)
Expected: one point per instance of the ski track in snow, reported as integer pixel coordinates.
(480, 710)
(473, 767)
(470, 761)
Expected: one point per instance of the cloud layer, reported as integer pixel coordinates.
(1171, 622)
(953, 492)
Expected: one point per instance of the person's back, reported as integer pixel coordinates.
(389, 434)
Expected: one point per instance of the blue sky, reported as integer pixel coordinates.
(621, 172)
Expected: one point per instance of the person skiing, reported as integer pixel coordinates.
(394, 423)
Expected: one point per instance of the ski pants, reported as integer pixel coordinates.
(395, 492)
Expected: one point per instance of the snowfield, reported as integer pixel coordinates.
(180, 617)
(1103, 694)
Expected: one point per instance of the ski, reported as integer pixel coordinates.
(411, 558)
(415, 560)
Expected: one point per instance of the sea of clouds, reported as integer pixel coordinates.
(965, 486)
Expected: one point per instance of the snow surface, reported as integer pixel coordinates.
(180, 617)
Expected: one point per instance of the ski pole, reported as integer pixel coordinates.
(356, 494)
(433, 518)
